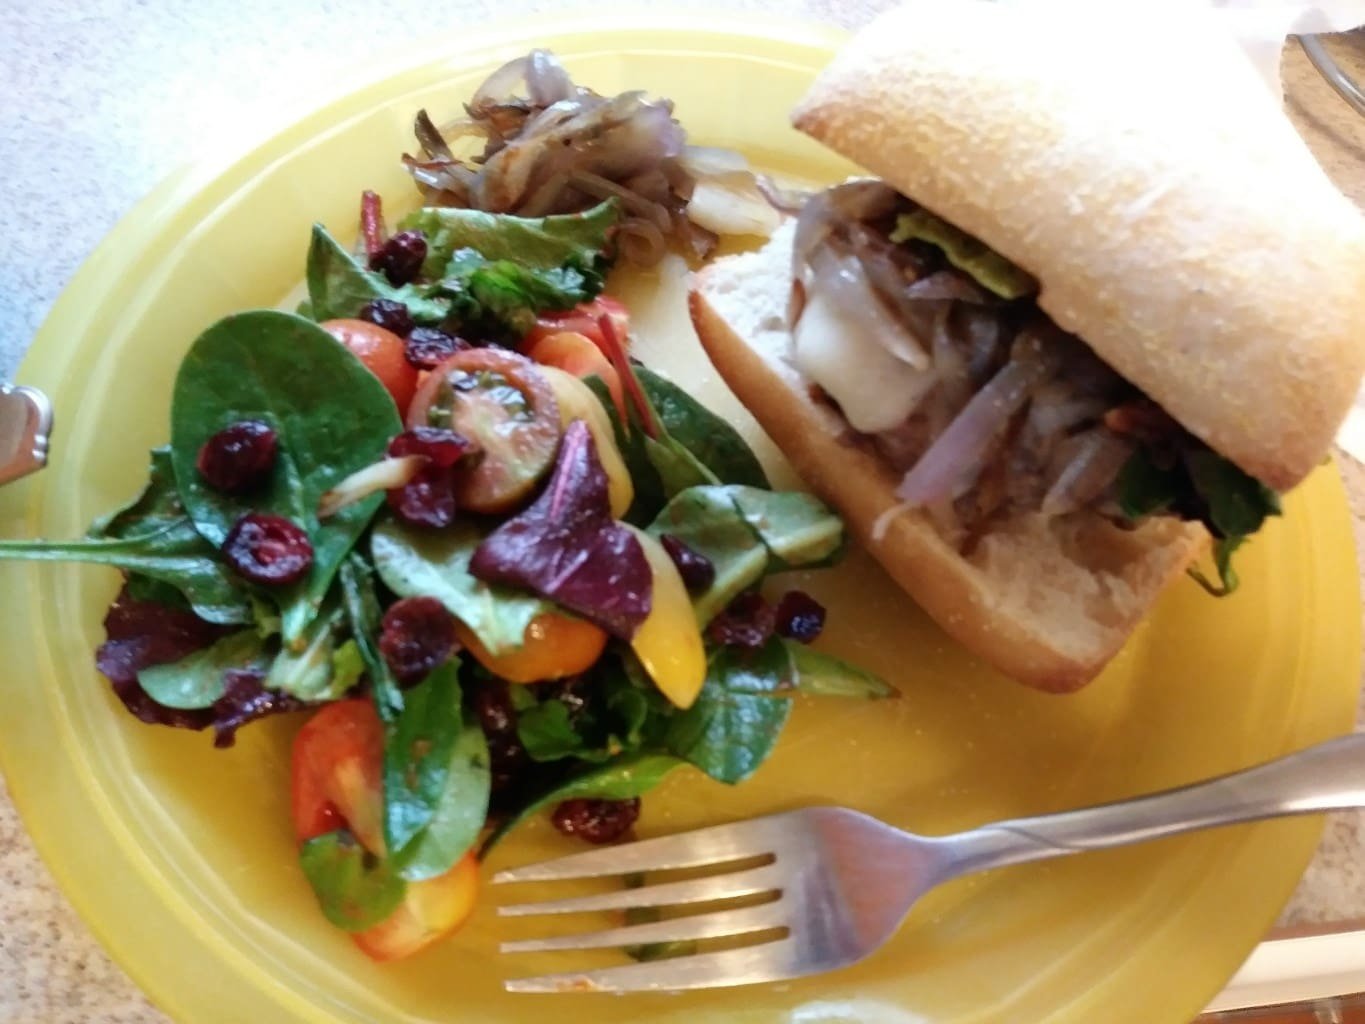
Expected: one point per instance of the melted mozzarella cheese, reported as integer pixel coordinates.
(875, 390)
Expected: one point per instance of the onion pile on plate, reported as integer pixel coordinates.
(562, 148)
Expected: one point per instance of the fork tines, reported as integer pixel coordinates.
(735, 845)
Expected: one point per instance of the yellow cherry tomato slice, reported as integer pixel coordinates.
(668, 643)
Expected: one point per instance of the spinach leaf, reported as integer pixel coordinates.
(1238, 504)
(824, 675)
(417, 749)
(196, 680)
(339, 285)
(332, 416)
(738, 716)
(460, 812)
(539, 243)
(413, 563)
(622, 778)
(354, 889)
(716, 444)
(1200, 485)
(1145, 488)
(695, 447)
(364, 615)
(308, 672)
(677, 467)
(153, 540)
(747, 533)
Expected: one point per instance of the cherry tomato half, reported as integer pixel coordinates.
(504, 404)
(578, 354)
(337, 781)
(553, 646)
(582, 320)
(382, 353)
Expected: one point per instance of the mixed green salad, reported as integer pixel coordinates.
(502, 567)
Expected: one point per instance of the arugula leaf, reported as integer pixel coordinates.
(500, 299)
(540, 243)
(339, 285)
(196, 680)
(747, 533)
(459, 813)
(364, 615)
(547, 734)
(824, 675)
(1145, 488)
(414, 563)
(977, 260)
(348, 665)
(332, 415)
(152, 539)
(308, 671)
(622, 778)
(735, 723)
(355, 889)
(621, 711)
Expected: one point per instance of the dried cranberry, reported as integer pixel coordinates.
(239, 457)
(268, 549)
(402, 256)
(427, 348)
(597, 821)
(388, 314)
(417, 635)
(428, 499)
(800, 616)
(507, 758)
(747, 621)
(443, 447)
(696, 569)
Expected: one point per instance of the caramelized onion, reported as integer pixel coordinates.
(562, 148)
(958, 452)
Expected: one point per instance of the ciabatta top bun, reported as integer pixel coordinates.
(1033, 498)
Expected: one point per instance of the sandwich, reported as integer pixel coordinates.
(1074, 334)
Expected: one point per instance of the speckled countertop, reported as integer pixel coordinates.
(104, 98)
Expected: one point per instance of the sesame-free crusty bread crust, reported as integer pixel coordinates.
(1143, 173)
(1046, 602)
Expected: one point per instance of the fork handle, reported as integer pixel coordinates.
(1326, 777)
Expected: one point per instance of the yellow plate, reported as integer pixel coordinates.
(181, 858)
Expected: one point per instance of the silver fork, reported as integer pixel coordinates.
(25, 428)
(844, 881)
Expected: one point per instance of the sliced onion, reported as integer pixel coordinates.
(1096, 465)
(604, 188)
(384, 475)
(641, 242)
(499, 86)
(732, 205)
(783, 200)
(704, 161)
(430, 138)
(546, 80)
(844, 281)
(947, 284)
(958, 452)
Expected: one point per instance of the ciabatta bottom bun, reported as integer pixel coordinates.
(1047, 601)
